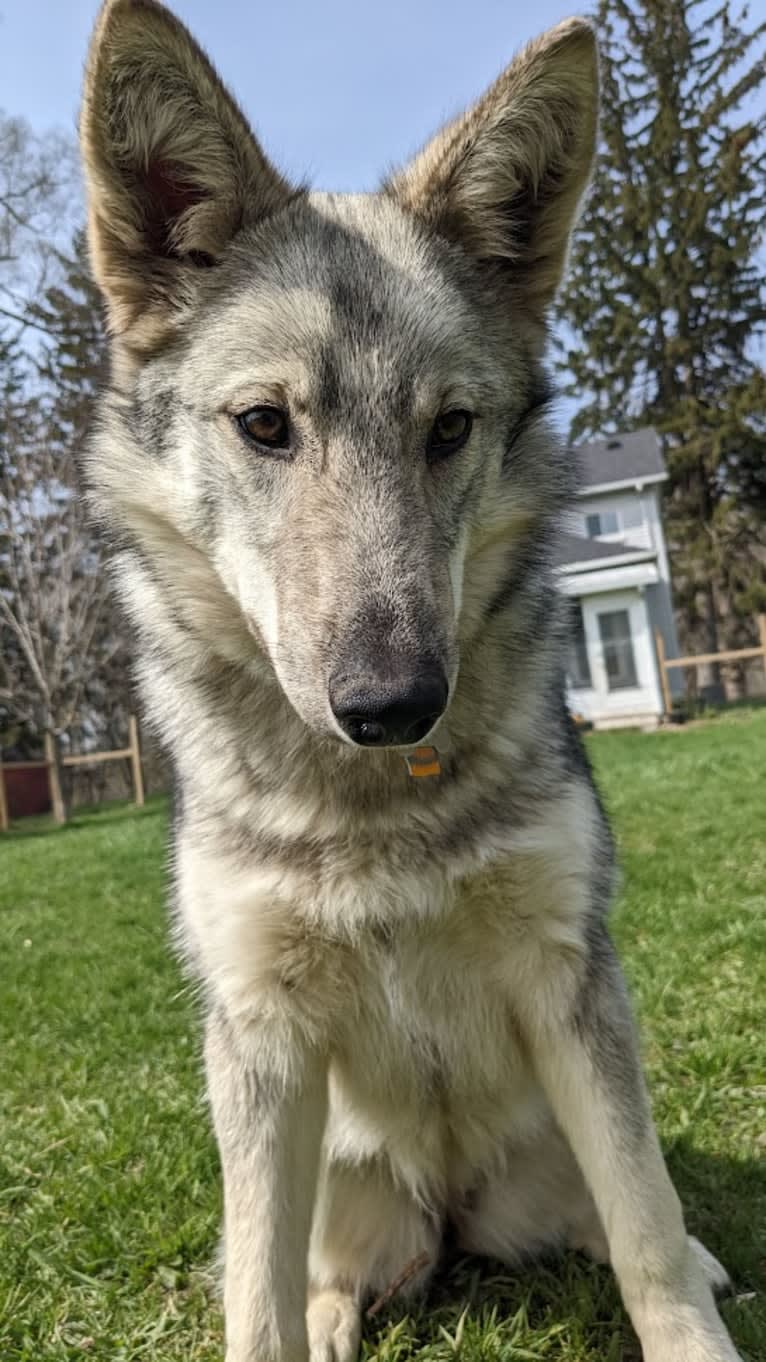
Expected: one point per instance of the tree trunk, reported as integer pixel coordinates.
(709, 673)
(54, 777)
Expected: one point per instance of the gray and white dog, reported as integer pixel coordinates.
(325, 467)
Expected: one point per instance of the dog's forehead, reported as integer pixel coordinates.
(344, 290)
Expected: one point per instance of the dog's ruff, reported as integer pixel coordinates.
(414, 1012)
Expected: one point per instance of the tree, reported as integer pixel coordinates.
(37, 198)
(666, 297)
(13, 395)
(60, 644)
(53, 596)
(73, 359)
(14, 421)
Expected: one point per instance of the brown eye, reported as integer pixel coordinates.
(449, 432)
(265, 426)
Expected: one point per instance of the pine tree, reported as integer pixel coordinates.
(665, 297)
(16, 428)
(73, 362)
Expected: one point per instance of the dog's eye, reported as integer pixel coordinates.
(449, 432)
(265, 426)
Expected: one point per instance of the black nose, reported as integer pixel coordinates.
(390, 710)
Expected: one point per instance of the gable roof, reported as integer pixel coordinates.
(620, 460)
(575, 550)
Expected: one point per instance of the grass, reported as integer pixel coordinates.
(109, 1189)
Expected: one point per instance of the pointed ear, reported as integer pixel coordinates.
(505, 179)
(172, 169)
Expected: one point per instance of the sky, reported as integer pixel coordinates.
(338, 90)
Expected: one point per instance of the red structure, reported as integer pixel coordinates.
(27, 790)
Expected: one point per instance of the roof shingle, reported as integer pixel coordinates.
(620, 458)
(575, 548)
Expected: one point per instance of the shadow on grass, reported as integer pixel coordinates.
(689, 710)
(724, 1202)
(724, 1199)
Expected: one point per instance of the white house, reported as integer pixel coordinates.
(613, 563)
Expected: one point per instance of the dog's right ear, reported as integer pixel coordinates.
(172, 169)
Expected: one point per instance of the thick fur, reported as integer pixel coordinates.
(415, 1015)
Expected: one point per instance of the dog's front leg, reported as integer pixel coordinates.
(269, 1096)
(583, 1045)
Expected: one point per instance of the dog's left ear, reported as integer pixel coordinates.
(505, 179)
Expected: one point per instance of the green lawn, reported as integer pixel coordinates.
(109, 1193)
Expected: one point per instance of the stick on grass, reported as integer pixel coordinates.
(414, 1266)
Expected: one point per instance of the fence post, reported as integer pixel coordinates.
(762, 633)
(135, 760)
(3, 801)
(659, 644)
(54, 778)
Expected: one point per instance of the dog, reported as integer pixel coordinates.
(327, 473)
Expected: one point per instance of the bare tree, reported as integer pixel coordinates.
(62, 664)
(40, 202)
(56, 623)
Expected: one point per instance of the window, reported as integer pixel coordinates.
(578, 668)
(602, 522)
(620, 663)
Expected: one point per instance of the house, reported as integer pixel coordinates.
(613, 564)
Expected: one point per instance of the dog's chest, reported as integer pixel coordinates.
(429, 1068)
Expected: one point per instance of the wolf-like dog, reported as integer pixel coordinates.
(326, 469)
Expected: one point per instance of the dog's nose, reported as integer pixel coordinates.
(395, 710)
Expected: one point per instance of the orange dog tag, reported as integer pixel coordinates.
(424, 761)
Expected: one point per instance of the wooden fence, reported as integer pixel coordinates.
(733, 655)
(52, 763)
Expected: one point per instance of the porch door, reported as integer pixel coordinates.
(621, 656)
(617, 649)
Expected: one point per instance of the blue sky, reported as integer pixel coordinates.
(337, 89)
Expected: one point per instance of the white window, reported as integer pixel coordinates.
(578, 666)
(619, 659)
(602, 522)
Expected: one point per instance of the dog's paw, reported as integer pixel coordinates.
(680, 1323)
(686, 1333)
(334, 1327)
(715, 1273)
(700, 1348)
